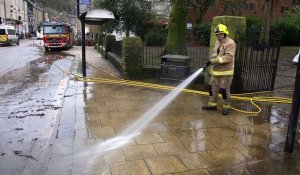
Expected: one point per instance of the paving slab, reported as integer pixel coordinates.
(181, 140)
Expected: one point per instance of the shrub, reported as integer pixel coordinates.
(202, 32)
(154, 39)
(253, 26)
(289, 30)
(109, 41)
(96, 39)
(289, 27)
(156, 36)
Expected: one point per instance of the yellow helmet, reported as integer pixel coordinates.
(221, 28)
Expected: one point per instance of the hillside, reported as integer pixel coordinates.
(68, 6)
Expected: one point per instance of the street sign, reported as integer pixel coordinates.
(85, 1)
(83, 6)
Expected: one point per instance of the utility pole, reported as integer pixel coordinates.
(293, 121)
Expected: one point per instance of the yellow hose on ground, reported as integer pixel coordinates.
(239, 97)
(164, 87)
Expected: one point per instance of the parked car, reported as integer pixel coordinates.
(8, 35)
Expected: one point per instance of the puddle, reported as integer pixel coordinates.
(26, 101)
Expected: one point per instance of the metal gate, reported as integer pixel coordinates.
(256, 65)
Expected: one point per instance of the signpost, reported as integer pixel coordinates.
(82, 7)
(93, 17)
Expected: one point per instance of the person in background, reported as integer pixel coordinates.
(222, 70)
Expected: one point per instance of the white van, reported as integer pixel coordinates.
(8, 35)
(39, 35)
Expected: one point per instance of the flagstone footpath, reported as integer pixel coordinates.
(181, 140)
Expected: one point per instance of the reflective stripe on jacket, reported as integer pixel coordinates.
(222, 58)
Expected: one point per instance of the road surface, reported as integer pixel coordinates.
(31, 90)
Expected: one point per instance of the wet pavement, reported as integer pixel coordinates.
(181, 140)
(32, 89)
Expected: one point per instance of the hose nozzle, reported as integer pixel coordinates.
(206, 65)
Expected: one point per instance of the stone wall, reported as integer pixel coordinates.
(132, 50)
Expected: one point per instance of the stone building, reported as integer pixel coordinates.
(36, 15)
(14, 12)
(24, 15)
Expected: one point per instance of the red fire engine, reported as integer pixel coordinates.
(57, 35)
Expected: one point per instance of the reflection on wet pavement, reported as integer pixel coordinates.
(28, 110)
(187, 138)
(182, 139)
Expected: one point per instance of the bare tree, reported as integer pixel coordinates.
(233, 7)
(201, 6)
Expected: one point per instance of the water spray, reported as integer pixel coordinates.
(141, 123)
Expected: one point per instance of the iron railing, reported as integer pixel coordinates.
(198, 54)
(101, 43)
(152, 56)
(256, 65)
(116, 48)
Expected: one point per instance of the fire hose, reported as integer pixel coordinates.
(241, 97)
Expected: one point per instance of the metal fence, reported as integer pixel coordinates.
(152, 56)
(116, 48)
(199, 56)
(102, 44)
(256, 65)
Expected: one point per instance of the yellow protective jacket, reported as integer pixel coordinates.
(222, 58)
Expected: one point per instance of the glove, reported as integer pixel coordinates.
(213, 56)
(206, 65)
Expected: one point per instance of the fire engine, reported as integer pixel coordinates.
(57, 35)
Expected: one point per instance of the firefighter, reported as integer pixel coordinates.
(222, 69)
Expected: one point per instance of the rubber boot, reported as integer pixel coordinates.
(210, 108)
(225, 111)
